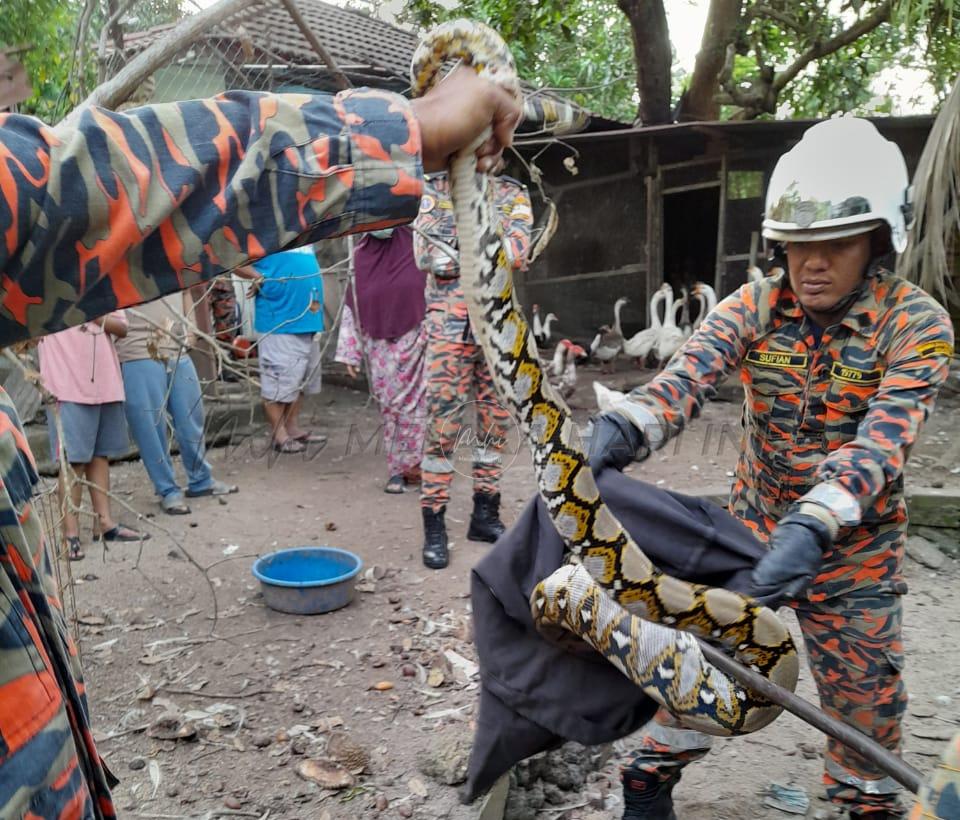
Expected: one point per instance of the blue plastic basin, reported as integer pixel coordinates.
(307, 580)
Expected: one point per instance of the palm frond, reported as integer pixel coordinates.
(934, 242)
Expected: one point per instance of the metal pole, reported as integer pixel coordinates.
(864, 746)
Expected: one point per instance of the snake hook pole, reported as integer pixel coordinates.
(866, 747)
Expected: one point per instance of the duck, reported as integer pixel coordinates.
(708, 301)
(640, 344)
(607, 398)
(671, 336)
(541, 327)
(568, 353)
(537, 323)
(606, 346)
(546, 332)
(555, 368)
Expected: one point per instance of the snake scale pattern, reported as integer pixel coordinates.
(608, 593)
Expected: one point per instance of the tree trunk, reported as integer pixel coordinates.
(651, 50)
(699, 101)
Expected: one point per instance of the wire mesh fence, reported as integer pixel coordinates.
(49, 511)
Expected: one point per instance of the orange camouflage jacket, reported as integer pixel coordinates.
(831, 424)
(116, 211)
(446, 308)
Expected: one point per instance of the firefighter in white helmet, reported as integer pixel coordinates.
(841, 362)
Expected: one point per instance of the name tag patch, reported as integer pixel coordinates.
(776, 358)
(938, 348)
(854, 375)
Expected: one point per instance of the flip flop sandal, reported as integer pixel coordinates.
(394, 484)
(290, 446)
(74, 552)
(123, 534)
(217, 488)
(311, 438)
(174, 506)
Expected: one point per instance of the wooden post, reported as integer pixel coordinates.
(114, 91)
(339, 77)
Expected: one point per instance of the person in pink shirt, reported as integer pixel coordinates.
(80, 368)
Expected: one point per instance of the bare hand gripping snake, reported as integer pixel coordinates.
(609, 593)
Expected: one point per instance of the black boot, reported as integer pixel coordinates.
(485, 523)
(435, 553)
(646, 795)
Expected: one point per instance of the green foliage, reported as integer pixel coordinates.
(580, 47)
(919, 34)
(53, 60)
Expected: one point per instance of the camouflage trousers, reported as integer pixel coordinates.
(458, 385)
(856, 655)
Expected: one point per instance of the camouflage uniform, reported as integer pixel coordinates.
(831, 423)
(116, 211)
(455, 364)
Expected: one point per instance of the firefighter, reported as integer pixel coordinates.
(458, 378)
(841, 362)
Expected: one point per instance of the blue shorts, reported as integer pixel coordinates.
(89, 430)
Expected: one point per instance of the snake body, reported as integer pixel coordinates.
(608, 593)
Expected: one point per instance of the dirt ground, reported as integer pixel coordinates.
(206, 718)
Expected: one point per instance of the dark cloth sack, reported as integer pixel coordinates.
(536, 693)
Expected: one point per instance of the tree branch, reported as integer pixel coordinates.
(880, 15)
(778, 16)
(699, 100)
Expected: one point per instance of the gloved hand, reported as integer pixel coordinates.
(615, 442)
(796, 553)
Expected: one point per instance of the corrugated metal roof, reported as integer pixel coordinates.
(368, 50)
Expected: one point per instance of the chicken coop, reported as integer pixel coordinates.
(676, 203)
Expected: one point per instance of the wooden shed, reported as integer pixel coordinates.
(678, 203)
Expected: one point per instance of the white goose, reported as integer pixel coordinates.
(640, 344)
(671, 337)
(708, 301)
(537, 324)
(617, 307)
(686, 326)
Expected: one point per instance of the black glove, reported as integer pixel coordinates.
(796, 553)
(614, 442)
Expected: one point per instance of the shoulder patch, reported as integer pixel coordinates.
(776, 358)
(854, 375)
(936, 348)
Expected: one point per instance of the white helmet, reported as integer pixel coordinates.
(842, 179)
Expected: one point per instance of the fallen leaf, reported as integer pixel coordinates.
(155, 777)
(382, 686)
(331, 526)
(325, 774)
(435, 677)
(417, 786)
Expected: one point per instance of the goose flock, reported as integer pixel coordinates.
(672, 320)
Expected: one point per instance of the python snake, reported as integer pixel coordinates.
(608, 593)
